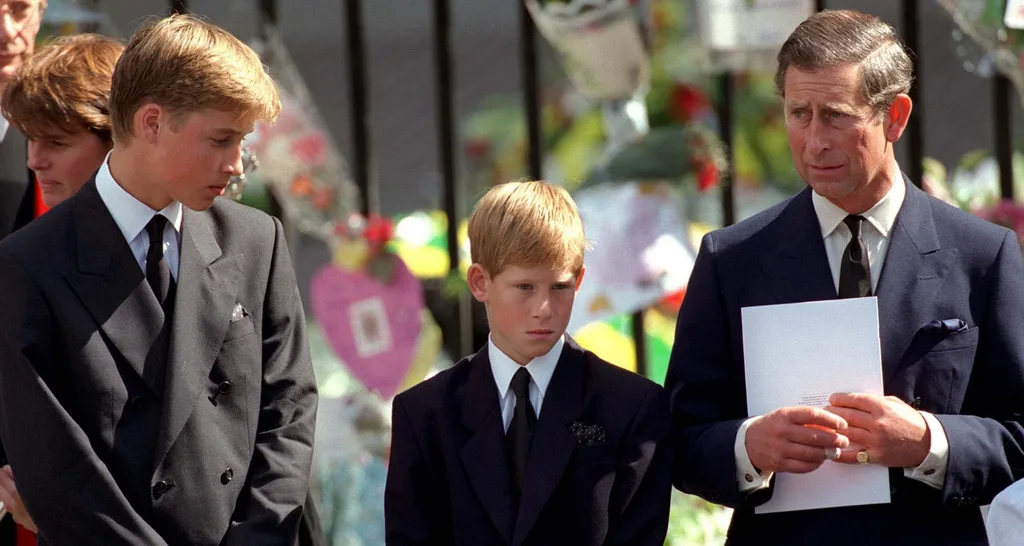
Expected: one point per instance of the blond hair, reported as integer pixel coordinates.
(527, 224)
(64, 86)
(186, 64)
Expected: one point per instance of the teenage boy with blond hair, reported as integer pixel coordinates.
(155, 381)
(533, 440)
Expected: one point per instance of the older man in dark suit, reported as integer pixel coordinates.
(950, 291)
(19, 24)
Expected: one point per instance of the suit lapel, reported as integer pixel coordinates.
(912, 272)
(111, 284)
(483, 456)
(205, 297)
(798, 267)
(13, 171)
(553, 444)
(13, 151)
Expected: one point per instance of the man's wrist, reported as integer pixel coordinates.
(924, 445)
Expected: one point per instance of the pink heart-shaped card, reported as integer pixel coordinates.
(373, 327)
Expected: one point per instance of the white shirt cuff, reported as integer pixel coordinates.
(747, 477)
(932, 471)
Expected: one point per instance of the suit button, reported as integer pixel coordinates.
(226, 476)
(162, 487)
(224, 387)
(137, 402)
(916, 404)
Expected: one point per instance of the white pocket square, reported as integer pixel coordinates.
(238, 313)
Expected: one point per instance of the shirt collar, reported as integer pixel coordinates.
(882, 216)
(130, 214)
(541, 368)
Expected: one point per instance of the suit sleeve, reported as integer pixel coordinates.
(60, 476)
(706, 392)
(407, 495)
(643, 481)
(985, 441)
(271, 504)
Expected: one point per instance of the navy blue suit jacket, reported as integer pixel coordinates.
(942, 263)
(448, 477)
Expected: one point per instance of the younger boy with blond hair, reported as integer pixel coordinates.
(155, 380)
(533, 440)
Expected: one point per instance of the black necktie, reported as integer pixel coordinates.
(158, 273)
(855, 271)
(520, 430)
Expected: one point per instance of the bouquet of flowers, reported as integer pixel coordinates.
(299, 161)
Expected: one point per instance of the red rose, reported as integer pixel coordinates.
(378, 230)
(707, 176)
(687, 102)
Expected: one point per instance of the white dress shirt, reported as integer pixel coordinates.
(132, 215)
(541, 369)
(876, 233)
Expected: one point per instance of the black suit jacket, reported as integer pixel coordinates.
(228, 423)
(17, 204)
(17, 208)
(942, 263)
(448, 477)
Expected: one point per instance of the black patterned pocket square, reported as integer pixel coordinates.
(588, 435)
(948, 326)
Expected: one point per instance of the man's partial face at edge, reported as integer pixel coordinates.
(19, 25)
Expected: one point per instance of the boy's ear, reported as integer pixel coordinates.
(477, 278)
(579, 278)
(149, 120)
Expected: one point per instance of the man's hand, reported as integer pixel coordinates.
(12, 500)
(893, 433)
(794, 439)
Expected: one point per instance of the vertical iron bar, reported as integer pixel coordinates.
(268, 18)
(531, 92)
(640, 342)
(446, 122)
(915, 136)
(819, 5)
(360, 108)
(1002, 123)
(179, 6)
(643, 365)
(268, 12)
(725, 121)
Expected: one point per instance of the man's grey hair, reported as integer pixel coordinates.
(834, 38)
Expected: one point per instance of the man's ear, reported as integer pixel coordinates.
(479, 282)
(579, 278)
(898, 116)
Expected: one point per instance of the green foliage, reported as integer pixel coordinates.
(695, 522)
